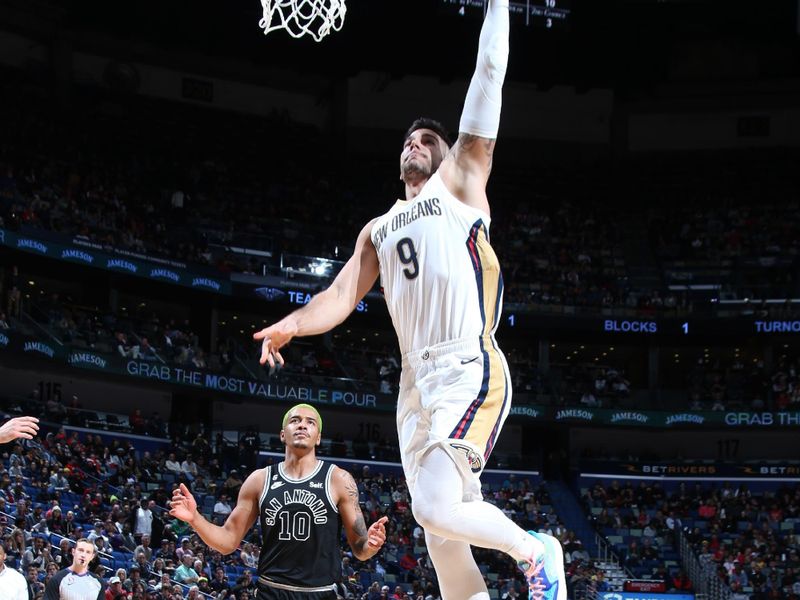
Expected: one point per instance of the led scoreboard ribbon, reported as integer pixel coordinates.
(550, 14)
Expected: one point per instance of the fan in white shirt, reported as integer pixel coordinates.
(172, 464)
(189, 468)
(144, 517)
(222, 508)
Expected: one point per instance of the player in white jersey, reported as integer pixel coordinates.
(443, 288)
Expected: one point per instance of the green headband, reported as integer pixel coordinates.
(308, 406)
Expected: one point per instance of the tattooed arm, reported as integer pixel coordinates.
(364, 542)
(466, 168)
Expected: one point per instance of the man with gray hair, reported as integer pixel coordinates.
(144, 548)
(185, 573)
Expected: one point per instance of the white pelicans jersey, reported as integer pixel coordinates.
(440, 276)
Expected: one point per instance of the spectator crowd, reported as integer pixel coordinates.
(67, 485)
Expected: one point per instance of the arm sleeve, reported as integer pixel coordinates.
(481, 115)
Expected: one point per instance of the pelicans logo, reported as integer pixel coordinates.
(474, 460)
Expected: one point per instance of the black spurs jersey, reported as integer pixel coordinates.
(300, 529)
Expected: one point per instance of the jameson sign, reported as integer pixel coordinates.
(111, 259)
(530, 412)
(660, 419)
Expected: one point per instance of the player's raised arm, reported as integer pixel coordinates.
(328, 308)
(224, 539)
(466, 169)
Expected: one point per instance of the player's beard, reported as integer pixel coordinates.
(415, 169)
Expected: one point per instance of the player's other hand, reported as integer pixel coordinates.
(183, 505)
(19, 427)
(376, 535)
(273, 338)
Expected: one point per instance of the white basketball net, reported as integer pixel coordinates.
(301, 17)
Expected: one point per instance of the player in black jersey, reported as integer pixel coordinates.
(301, 504)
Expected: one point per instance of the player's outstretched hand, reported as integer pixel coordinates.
(183, 506)
(19, 427)
(376, 535)
(273, 338)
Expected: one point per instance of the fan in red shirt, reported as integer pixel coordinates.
(407, 561)
(681, 582)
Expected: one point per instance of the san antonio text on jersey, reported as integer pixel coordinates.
(300, 527)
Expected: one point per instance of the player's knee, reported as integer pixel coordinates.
(434, 544)
(427, 514)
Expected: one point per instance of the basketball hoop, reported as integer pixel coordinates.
(301, 17)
